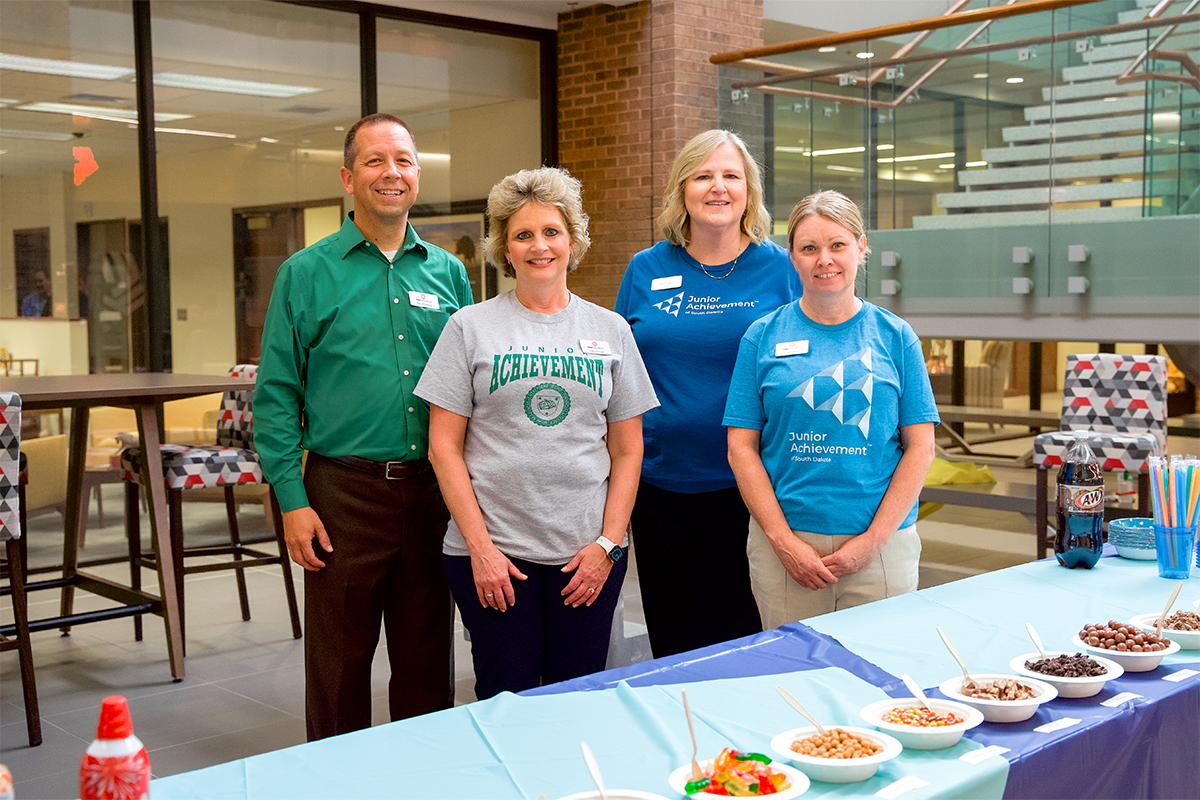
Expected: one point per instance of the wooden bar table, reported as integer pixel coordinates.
(143, 392)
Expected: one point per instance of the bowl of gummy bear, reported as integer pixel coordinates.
(734, 773)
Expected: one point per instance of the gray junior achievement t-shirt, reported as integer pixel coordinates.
(540, 390)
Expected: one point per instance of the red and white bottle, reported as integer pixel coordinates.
(116, 766)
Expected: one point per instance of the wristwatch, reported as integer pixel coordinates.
(614, 550)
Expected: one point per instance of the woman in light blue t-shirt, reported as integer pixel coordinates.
(831, 419)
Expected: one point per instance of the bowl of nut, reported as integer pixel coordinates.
(1125, 643)
(1000, 698)
(1182, 627)
(1072, 674)
(919, 728)
(841, 754)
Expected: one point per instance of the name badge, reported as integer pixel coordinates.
(791, 348)
(422, 300)
(673, 282)
(594, 347)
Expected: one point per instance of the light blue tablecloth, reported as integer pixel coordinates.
(520, 747)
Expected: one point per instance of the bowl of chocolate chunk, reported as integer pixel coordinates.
(1125, 643)
(1072, 674)
(1182, 627)
(1000, 698)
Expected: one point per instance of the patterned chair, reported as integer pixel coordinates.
(1122, 401)
(231, 462)
(12, 525)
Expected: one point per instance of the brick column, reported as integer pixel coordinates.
(634, 84)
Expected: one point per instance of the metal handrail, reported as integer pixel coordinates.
(1188, 64)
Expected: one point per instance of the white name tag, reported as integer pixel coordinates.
(1176, 677)
(595, 347)
(897, 788)
(1116, 700)
(791, 348)
(975, 756)
(1057, 725)
(422, 300)
(673, 282)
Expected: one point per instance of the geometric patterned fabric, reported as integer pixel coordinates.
(231, 461)
(1121, 400)
(10, 451)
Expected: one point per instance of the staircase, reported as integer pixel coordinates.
(1089, 154)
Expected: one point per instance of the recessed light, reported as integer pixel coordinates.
(945, 166)
(180, 80)
(838, 151)
(885, 147)
(839, 168)
(72, 69)
(267, 139)
(827, 49)
(980, 75)
(864, 54)
(97, 112)
(196, 133)
(1014, 80)
(976, 164)
(926, 157)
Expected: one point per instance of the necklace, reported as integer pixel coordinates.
(720, 277)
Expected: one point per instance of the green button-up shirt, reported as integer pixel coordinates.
(346, 337)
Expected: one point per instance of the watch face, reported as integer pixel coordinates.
(616, 554)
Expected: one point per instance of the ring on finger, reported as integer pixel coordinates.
(591, 590)
(489, 594)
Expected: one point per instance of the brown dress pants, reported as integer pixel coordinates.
(386, 565)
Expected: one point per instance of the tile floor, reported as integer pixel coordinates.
(244, 690)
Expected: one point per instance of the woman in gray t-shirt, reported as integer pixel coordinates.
(535, 434)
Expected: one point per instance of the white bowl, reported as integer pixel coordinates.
(1070, 687)
(615, 794)
(917, 738)
(836, 770)
(799, 782)
(1132, 662)
(1136, 553)
(1187, 640)
(1002, 710)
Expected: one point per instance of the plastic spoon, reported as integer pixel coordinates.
(1196, 605)
(968, 681)
(593, 768)
(697, 773)
(794, 703)
(1036, 641)
(1170, 602)
(916, 691)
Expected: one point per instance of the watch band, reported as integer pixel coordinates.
(607, 544)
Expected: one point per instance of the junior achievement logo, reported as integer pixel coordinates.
(844, 390)
(671, 304)
(547, 404)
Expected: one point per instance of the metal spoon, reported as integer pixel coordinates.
(1170, 602)
(916, 691)
(794, 703)
(968, 681)
(593, 768)
(1036, 641)
(697, 773)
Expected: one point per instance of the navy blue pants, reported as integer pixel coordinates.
(538, 640)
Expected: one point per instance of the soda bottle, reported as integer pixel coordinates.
(1080, 513)
(116, 766)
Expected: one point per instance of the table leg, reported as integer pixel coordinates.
(152, 480)
(76, 463)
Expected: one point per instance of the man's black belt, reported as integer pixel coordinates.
(392, 470)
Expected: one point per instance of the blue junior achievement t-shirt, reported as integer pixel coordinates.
(830, 416)
(687, 326)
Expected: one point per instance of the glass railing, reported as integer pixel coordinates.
(1022, 180)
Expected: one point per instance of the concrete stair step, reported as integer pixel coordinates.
(1063, 150)
(1087, 108)
(1126, 123)
(1186, 29)
(1065, 170)
(1040, 195)
(1092, 72)
(1126, 51)
(1001, 218)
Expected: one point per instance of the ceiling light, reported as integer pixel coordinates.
(45, 136)
(197, 133)
(945, 166)
(97, 112)
(926, 157)
(827, 49)
(1014, 80)
(979, 75)
(864, 54)
(840, 168)
(268, 140)
(180, 80)
(5, 102)
(885, 147)
(838, 151)
(976, 164)
(72, 69)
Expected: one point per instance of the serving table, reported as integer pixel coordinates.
(1137, 738)
(144, 393)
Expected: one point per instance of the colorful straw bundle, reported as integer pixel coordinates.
(1175, 489)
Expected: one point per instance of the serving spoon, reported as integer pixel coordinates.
(968, 681)
(794, 703)
(1170, 602)
(1037, 642)
(916, 691)
(697, 773)
(593, 768)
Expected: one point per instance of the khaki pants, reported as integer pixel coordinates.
(781, 600)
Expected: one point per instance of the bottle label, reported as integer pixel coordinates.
(116, 777)
(1084, 499)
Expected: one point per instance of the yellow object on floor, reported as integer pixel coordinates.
(948, 473)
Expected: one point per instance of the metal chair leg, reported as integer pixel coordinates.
(235, 539)
(285, 562)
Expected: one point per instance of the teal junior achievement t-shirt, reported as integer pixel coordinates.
(830, 411)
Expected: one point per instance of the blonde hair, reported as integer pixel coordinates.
(547, 186)
(674, 221)
(833, 206)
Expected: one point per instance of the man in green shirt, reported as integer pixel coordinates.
(351, 323)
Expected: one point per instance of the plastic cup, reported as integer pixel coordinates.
(1174, 549)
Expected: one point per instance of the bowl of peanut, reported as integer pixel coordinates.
(1000, 698)
(843, 754)
(1133, 648)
